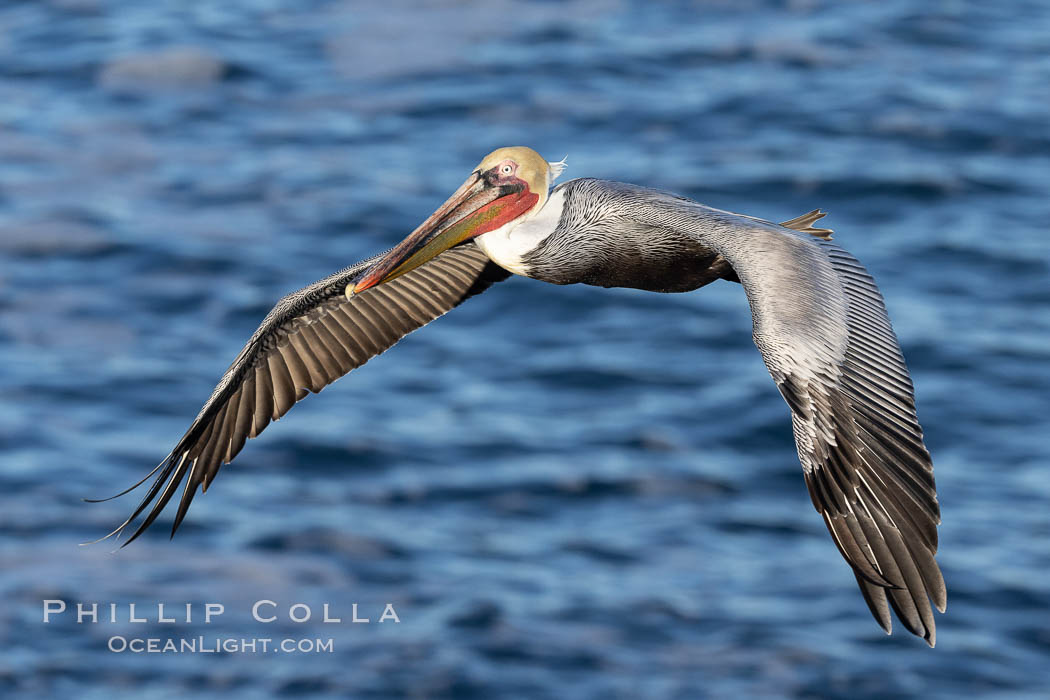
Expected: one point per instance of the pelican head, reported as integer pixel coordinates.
(508, 186)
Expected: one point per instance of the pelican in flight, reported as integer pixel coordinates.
(818, 320)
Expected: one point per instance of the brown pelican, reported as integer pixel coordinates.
(818, 320)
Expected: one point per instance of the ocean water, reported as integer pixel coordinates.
(563, 492)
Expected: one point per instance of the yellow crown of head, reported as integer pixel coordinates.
(532, 167)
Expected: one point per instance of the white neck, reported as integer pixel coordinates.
(507, 245)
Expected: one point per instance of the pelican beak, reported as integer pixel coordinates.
(480, 205)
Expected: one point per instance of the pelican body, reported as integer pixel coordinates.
(818, 321)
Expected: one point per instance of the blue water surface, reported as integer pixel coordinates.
(564, 492)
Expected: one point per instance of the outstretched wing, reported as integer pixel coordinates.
(310, 339)
(821, 326)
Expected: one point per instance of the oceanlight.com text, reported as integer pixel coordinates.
(214, 645)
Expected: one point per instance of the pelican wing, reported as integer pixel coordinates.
(821, 326)
(310, 339)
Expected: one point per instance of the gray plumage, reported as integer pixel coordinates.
(821, 326)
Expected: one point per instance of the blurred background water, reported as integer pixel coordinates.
(565, 492)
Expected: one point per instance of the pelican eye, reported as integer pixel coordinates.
(507, 169)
